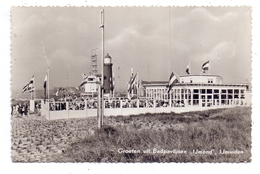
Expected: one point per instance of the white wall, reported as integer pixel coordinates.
(54, 115)
(200, 79)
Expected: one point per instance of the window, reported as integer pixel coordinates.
(230, 96)
(209, 97)
(216, 97)
(195, 96)
(195, 91)
(190, 80)
(230, 91)
(209, 91)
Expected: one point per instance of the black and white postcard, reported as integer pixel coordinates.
(159, 84)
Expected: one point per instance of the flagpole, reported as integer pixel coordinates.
(169, 69)
(137, 87)
(34, 87)
(190, 66)
(113, 84)
(209, 67)
(132, 70)
(48, 81)
(100, 121)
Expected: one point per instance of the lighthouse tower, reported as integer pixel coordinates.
(108, 78)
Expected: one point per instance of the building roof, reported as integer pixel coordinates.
(210, 84)
(165, 83)
(154, 83)
(201, 75)
(107, 56)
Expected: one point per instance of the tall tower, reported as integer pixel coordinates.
(94, 63)
(108, 75)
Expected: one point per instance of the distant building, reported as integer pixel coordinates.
(91, 86)
(91, 81)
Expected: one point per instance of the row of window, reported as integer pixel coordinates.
(185, 93)
(202, 91)
(216, 91)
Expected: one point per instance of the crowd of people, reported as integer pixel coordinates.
(109, 103)
(58, 106)
(20, 109)
(23, 109)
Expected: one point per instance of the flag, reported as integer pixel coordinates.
(137, 86)
(45, 85)
(29, 87)
(205, 66)
(84, 76)
(83, 82)
(132, 80)
(188, 69)
(172, 80)
(131, 83)
(45, 81)
(57, 93)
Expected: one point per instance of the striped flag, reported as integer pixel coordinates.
(45, 81)
(172, 80)
(45, 85)
(85, 80)
(29, 87)
(188, 69)
(131, 83)
(205, 66)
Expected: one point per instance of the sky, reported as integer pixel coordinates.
(152, 40)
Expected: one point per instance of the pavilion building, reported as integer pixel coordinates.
(198, 90)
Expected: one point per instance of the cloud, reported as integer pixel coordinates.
(202, 27)
(146, 36)
(123, 36)
(203, 13)
(224, 50)
(48, 60)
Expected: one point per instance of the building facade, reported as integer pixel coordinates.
(198, 90)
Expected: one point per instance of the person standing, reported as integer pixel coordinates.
(26, 109)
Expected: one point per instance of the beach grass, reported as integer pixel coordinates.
(219, 135)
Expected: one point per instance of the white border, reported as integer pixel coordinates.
(5, 160)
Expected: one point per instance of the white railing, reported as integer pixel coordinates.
(113, 107)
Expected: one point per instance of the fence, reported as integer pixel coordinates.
(88, 108)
